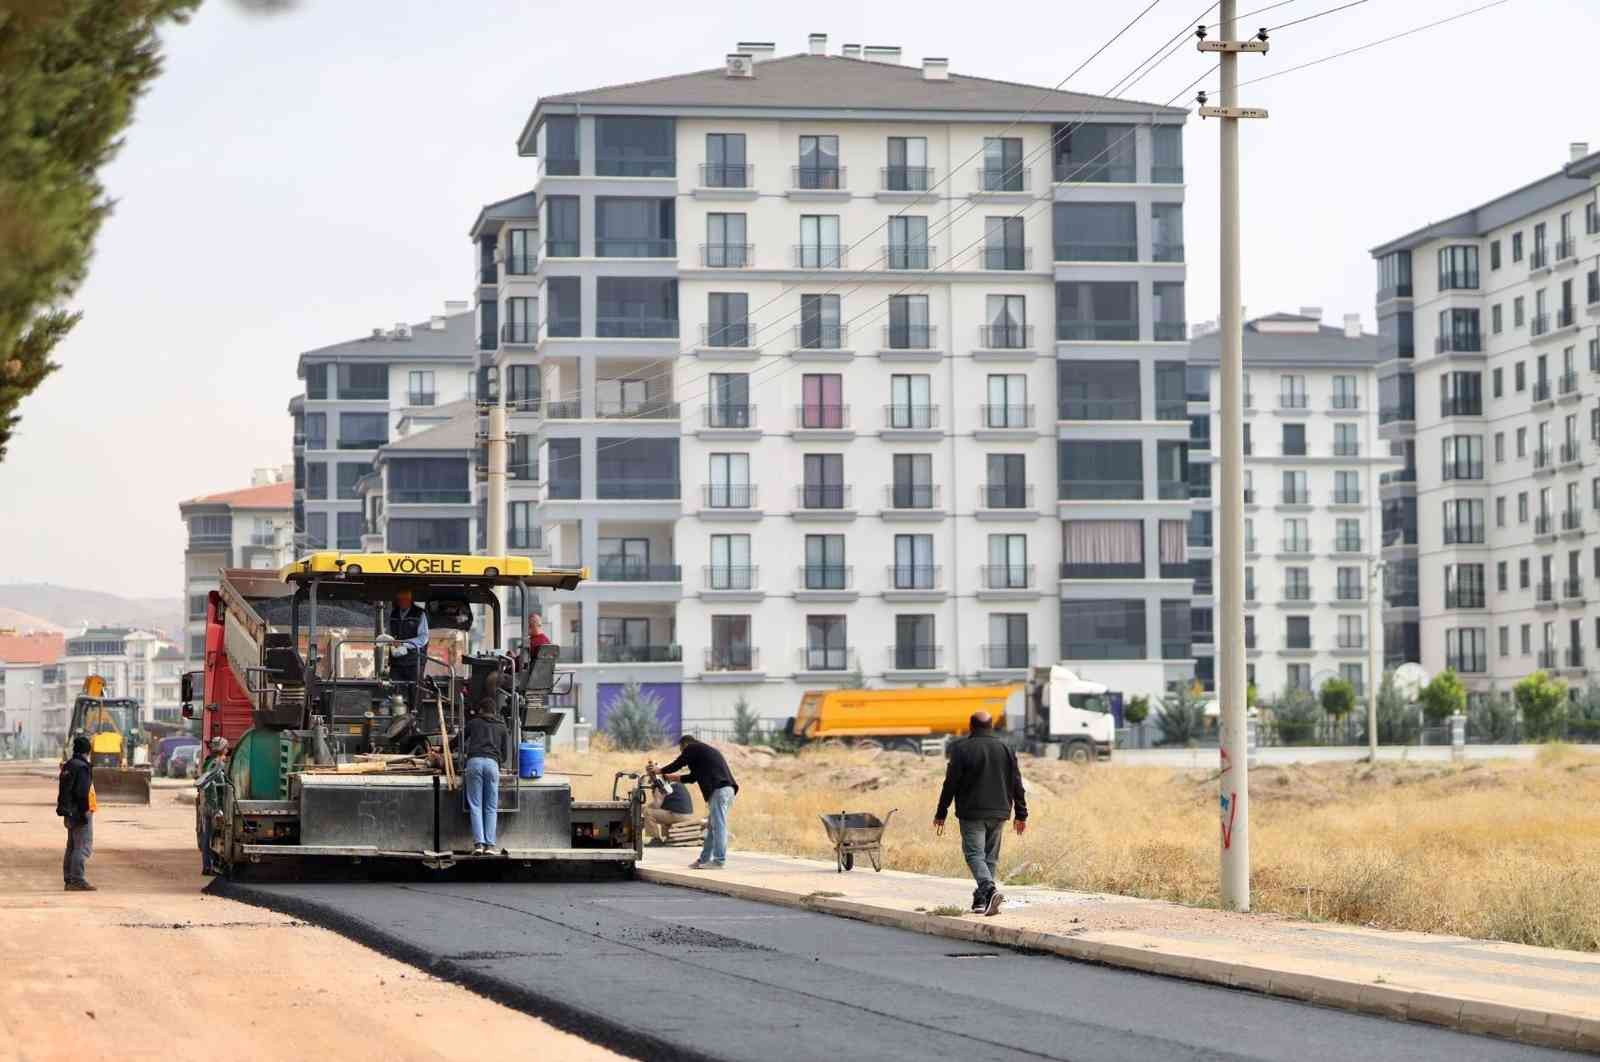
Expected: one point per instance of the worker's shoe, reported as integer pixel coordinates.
(995, 899)
(979, 901)
(80, 886)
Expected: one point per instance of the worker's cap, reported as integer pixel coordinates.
(80, 744)
(218, 744)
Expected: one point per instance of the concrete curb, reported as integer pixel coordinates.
(1480, 1017)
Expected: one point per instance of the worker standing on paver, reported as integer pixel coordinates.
(985, 782)
(208, 797)
(408, 626)
(709, 770)
(484, 742)
(75, 803)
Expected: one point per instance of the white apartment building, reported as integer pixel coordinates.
(780, 340)
(1489, 380)
(134, 663)
(30, 690)
(248, 528)
(1312, 462)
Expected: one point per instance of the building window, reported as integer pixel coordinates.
(565, 310)
(1008, 641)
(913, 563)
(1166, 154)
(819, 163)
(1294, 440)
(1166, 232)
(1103, 629)
(1171, 322)
(1098, 390)
(1466, 650)
(561, 226)
(1101, 469)
(1004, 246)
(1004, 168)
(316, 481)
(1394, 276)
(820, 327)
(1007, 485)
(1458, 267)
(352, 472)
(730, 644)
(824, 486)
(826, 646)
(560, 134)
(1102, 549)
(1463, 521)
(636, 308)
(728, 316)
(1008, 563)
(1297, 632)
(634, 228)
(1097, 232)
(1097, 311)
(317, 530)
(728, 482)
(1100, 153)
(363, 381)
(914, 647)
(730, 563)
(822, 397)
(1007, 327)
(725, 162)
(1496, 320)
(1463, 457)
(421, 536)
(1518, 314)
(913, 482)
(363, 431)
(726, 246)
(908, 243)
(635, 147)
(907, 169)
(819, 246)
(910, 401)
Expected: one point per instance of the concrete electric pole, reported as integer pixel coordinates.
(1374, 657)
(1231, 682)
(495, 537)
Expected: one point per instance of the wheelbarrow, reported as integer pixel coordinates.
(856, 831)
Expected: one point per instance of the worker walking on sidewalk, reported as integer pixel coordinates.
(484, 746)
(709, 770)
(75, 803)
(985, 782)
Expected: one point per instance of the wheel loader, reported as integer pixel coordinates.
(112, 727)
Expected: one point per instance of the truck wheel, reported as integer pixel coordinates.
(870, 744)
(1077, 752)
(906, 745)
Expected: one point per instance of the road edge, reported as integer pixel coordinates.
(596, 1028)
(1479, 1017)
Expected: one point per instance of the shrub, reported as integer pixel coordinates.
(1338, 697)
(1137, 710)
(746, 726)
(1296, 717)
(1443, 697)
(1542, 701)
(1182, 717)
(1493, 718)
(1397, 720)
(632, 724)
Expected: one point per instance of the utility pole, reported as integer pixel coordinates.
(495, 538)
(1374, 657)
(1234, 780)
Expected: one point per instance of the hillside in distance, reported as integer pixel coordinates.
(69, 607)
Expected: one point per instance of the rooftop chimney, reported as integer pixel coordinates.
(452, 306)
(436, 322)
(935, 68)
(740, 64)
(852, 51)
(881, 53)
(1578, 149)
(263, 477)
(1313, 312)
(819, 44)
(758, 51)
(1352, 326)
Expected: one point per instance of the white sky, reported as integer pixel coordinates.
(295, 181)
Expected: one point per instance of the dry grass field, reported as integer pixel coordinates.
(1502, 851)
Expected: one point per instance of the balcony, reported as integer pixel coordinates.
(1096, 170)
(1295, 497)
(1005, 337)
(912, 577)
(817, 178)
(825, 577)
(1006, 576)
(823, 496)
(817, 336)
(829, 658)
(421, 398)
(521, 265)
(1396, 412)
(727, 255)
(1543, 460)
(615, 653)
(1347, 449)
(1567, 385)
(1547, 659)
(1350, 592)
(1296, 547)
(915, 657)
(730, 577)
(910, 418)
(1566, 316)
(1458, 343)
(636, 327)
(815, 417)
(1572, 588)
(1005, 496)
(1166, 251)
(430, 497)
(522, 333)
(1007, 657)
(1078, 251)
(1539, 324)
(910, 336)
(1008, 257)
(1571, 520)
(1571, 453)
(1347, 402)
(618, 570)
(1538, 258)
(911, 496)
(1097, 331)
(1098, 409)
(733, 658)
(1566, 249)
(611, 247)
(1347, 544)
(726, 175)
(1543, 525)
(1457, 406)
(1001, 418)
(907, 256)
(905, 178)
(650, 409)
(1170, 331)
(736, 335)
(728, 416)
(1465, 597)
(728, 496)
(1002, 178)
(1544, 591)
(1347, 497)
(819, 255)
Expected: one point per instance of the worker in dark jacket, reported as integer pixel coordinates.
(710, 771)
(986, 784)
(483, 742)
(75, 804)
(408, 626)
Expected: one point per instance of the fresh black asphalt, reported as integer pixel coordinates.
(667, 973)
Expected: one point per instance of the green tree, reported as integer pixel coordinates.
(1295, 716)
(1542, 700)
(70, 73)
(1137, 710)
(1397, 719)
(1181, 716)
(1338, 698)
(1249, 695)
(1583, 715)
(1492, 718)
(632, 723)
(1443, 697)
(746, 725)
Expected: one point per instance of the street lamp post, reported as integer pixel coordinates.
(33, 722)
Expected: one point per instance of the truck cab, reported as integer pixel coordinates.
(1069, 715)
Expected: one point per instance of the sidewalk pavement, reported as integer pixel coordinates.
(1534, 995)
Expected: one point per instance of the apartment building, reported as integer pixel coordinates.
(356, 394)
(421, 495)
(135, 663)
(248, 528)
(1489, 320)
(779, 341)
(30, 688)
(1312, 464)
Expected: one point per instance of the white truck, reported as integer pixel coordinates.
(1074, 716)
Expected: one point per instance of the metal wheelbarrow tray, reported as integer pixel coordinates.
(851, 832)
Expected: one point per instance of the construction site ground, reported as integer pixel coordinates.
(151, 967)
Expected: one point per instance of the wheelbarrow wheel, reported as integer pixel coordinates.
(848, 860)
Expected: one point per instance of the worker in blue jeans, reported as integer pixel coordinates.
(483, 742)
(709, 770)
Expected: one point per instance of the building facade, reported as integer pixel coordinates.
(1312, 464)
(779, 342)
(248, 528)
(31, 692)
(136, 664)
(1489, 371)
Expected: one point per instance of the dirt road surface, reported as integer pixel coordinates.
(151, 968)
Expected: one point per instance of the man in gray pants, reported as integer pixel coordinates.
(75, 805)
(985, 782)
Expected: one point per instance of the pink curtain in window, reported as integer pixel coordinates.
(1103, 541)
(1174, 535)
(823, 398)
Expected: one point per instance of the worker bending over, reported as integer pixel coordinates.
(710, 771)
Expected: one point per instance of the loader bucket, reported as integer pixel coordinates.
(122, 785)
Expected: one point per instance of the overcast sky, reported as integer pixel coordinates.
(294, 181)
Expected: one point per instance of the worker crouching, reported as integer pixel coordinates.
(484, 746)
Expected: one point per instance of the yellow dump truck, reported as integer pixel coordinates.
(900, 719)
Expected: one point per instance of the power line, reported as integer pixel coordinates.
(1319, 14)
(1374, 44)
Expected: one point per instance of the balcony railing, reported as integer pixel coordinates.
(612, 247)
(1005, 336)
(1178, 490)
(1080, 251)
(629, 571)
(1571, 520)
(1097, 331)
(825, 577)
(1103, 490)
(906, 178)
(1007, 657)
(817, 336)
(421, 398)
(1466, 534)
(1008, 257)
(1072, 570)
(820, 255)
(1467, 469)
(1299, 645)
(817, 417)
(735, 334)
(910, 256)
(1003, 178)
(1099, 409)
(1296, 546)
(823, 496)
(636, 327)
(818, 178)
(1543, 457)
(1548, 658)
(519, 332)
(616, 653)
(910, 336)
(430, 497)
(643, 488)
(1465, 597)
(1352, 640)
(1293, 400)
(726, 175)
(733, 658)
(1170, 331)
(1297, 592)
(362, 444)
(525, 538)
(1459, 343)
(832, 658)
(1567, 383)
(1005, 496)
(1565, 316)
(1166, 251)
(1567, 248)
(1539, 324)
(520, 265)
(910, 418)
(1295, 497)
(1347, 544)
(1006, 576)
(912, 496)
(1346, 401)
(1458, 406)
(727, 255)
(1000, 417)
(1347, 497)
(731, 577)
(607, 165)
(916, 657)
(650, 409)
(728, 495)
(1539, 257)
(1572, 588)
(1574, 657)
(728, 415)
(1094, 170)
(1544, 591)
(912, 576)
(568, 410)
(1350, 592)
(1396, 411)
(561, 248)
(1571, 453)
(1347, 449)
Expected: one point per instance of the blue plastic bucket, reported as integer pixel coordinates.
(530, 760)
